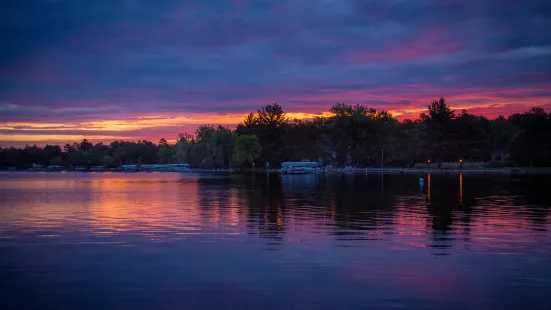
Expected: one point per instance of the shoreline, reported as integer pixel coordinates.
(404, 171)
(531, 171)
(412, 171)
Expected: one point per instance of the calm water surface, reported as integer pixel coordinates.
(214, 241)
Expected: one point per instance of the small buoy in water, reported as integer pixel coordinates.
(421, 180)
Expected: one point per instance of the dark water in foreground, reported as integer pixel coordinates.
(207, 241)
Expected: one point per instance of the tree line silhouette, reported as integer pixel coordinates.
(349, 135)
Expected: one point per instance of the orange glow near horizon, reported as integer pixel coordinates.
(169, 125)
(27, 132)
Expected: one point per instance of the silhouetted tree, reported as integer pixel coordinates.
(502, 135)
(441, 140)
(532, 146)
(247, 148)
(346, 135)
(268, 126)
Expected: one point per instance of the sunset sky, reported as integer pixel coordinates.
(137, 69)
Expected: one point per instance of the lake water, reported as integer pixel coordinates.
(257, 241)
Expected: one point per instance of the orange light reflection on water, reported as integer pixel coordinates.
(428, 186)
(461, 188)
(148, 204)
(112, 205)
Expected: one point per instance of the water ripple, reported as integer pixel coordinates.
(213, 241)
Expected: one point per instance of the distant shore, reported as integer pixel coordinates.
(409, 171)
(455, 171)
(413, 171)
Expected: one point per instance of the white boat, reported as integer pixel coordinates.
(301, 167)
(179, 167)
(166, 167)
(37, 167)
(129, 167)
(147, 167)
(55, 168)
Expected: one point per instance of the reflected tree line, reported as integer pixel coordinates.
(361, 207)
(345, 135)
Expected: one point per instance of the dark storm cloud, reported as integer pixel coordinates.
(95, 58)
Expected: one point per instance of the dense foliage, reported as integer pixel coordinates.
(348, 135)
